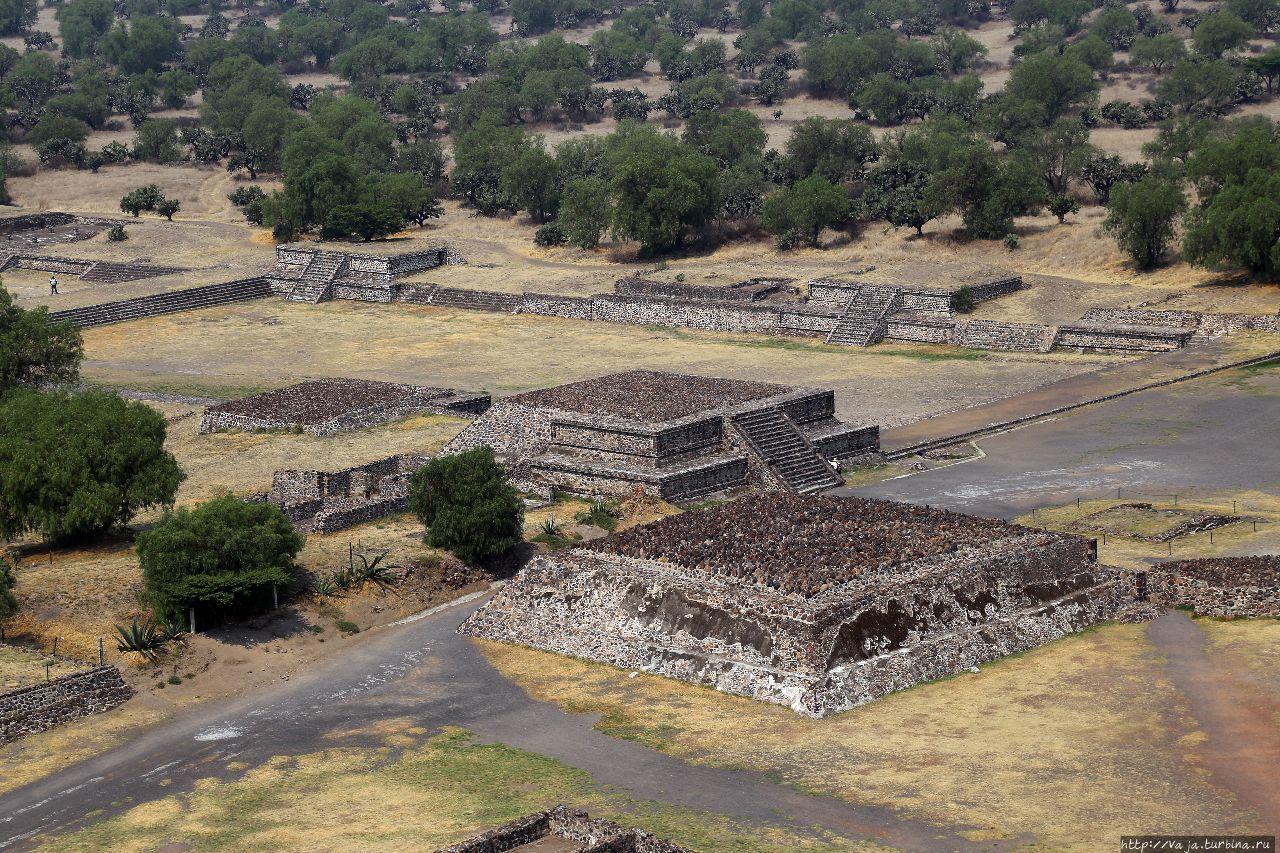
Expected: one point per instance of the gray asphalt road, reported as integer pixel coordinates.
(1208, 435)
(424, 671)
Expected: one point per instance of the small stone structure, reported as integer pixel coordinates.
(1226, 587)
(306, 274)
(328, 501)
(671, 435)
(328, 406)
(574, 828)
(1148, 523)
(20, 233)
(817, 603)
(38, 707)
(100, 272)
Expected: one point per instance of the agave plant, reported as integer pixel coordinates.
(550, 526)
(324, 587)
(375, 571)
(141, 637)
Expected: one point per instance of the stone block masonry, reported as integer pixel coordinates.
(815, 603)
(42, 706)
(576, 831)
(1225, 587)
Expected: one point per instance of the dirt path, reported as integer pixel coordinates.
(1243, 748)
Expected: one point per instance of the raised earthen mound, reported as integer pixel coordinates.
(817, 603)
(649, 396)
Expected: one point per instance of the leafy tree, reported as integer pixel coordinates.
(617, 55)
(1266, 66)
(1104, 172)
(662, 188)
(835, 149)
(1200, 84)
(1117, 26)
(480, 155)
(60, 137)
(957, 51)
(82, 23)
(222, 558)
(896, 193)
(168, 207)
(467, 505)
(799, 213)
(141, 198)
(411, 197)
(1237, 221)
(1178, 138)
(1060, 152)
(74, 465)
(1062, 206)
(1219, 32)
(156, 141)
(8, 602)
(1093, 52)
(145, 44)
(728, 138)
(585, 211)
(1141, 217)
(35, 350)
(16, 16)
(368, 220)
(1055, 83)
(531, 180)
(249, 200)
(1158, 52)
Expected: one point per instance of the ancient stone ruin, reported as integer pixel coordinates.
(563, 830)
(327, 501)
(818, 603)
(673, 436)
(306, 274)
(1225, 587)
(328, 406)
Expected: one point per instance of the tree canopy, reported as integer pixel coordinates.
(34, 349)
(467, 505)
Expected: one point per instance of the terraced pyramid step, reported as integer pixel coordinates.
(784, 449)
(171, 302)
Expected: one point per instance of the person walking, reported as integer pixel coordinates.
(53, 285)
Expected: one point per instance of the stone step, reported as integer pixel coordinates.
(111, 272)
(166, 303)
(783, 448)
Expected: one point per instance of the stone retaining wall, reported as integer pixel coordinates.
(997, 335)
(1130, 339)
(42, 706)
(1205, 322)
(573, 825)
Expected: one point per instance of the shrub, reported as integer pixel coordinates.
(550, 234)
(8, 603)
(141, 198)
(74, 465)
(35, 350)
(348, 627)
(117, 234)
(143, 638)
(963, 301)
(467, 505)
(222, 558)
(1010, 241)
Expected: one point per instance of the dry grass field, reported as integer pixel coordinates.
(236, 349)
(21, 667)
(1053, 742)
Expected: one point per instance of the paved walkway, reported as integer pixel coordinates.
(1125, 377)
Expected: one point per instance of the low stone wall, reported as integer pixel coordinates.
(584, 477)
(49, 264)
(846, 442)
(997, 335)
(573, 307)
(1206, 322)
(1130, 339)
(920, 331)
(33, 709)
(1227, 588)
(328, 501)
(573, 825)
(34, 222)
(752, 291)
(642, 311)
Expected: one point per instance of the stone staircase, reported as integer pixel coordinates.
(316, 282)
(476, 300)
(777, 441)
(166, 303)
(110, 272)
(864, 320)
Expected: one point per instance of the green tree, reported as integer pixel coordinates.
(72, 466)
(1116, 26)
(146, 44)
(1198, 84)
(168, 207)
(141, 198)
(835, 149)
(1266, 66)
(531, 180)
(16, 16)
(60, 137)
(411, 197)
(799, 213)
(1060, 152)
(662, 189)
(82, 23)
(1054, 83)
(222, 558)
(1158, 52)
(467, 505)
(8, 602)
(585, 210)
(1236, 174)
(1219, 32)
(156, 141)
(35, 350)
(1141, 217)
(728, 138)
(368, 220)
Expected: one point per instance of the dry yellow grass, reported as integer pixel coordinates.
(1052, 742)
(20, 667)
(229, 350)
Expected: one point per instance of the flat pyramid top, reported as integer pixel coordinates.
(805, 545)
(649, 396)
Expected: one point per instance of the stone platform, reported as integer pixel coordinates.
(817, 603)
(671, 435)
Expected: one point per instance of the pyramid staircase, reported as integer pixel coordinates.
(776, 440)
(865, 319)
(316, 282)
